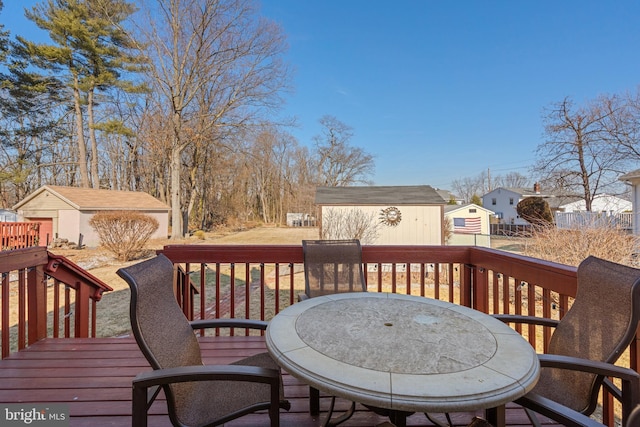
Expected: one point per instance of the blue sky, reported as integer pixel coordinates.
(442, 90)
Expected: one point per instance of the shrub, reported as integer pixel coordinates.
(447, 227)
(199, 234)
(535, 210)
(476, 200)
(571, 246)
(350, 224)
(124, 233)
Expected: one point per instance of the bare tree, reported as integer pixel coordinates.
(578, 156)
(338, 164)
(217, 49)
(270, 159)
(350, 224)
(623, 124)
(468, 187)
(512, 180)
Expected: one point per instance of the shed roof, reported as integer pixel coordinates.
(98, 199)
(379, 195)
(453, 208)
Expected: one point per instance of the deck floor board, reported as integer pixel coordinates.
(93, 376)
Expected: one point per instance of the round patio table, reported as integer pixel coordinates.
(403, 353)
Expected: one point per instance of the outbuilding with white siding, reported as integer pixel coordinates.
(401, 215)
(470, 225)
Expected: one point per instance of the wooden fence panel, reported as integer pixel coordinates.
(19, 235)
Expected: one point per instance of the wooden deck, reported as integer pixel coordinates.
(93, 376)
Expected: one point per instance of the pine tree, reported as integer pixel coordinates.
(91, 47)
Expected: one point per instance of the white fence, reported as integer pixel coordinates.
(459, 239)
(594, 220)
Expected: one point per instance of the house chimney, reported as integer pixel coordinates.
(536, 188)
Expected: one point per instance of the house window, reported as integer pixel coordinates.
(511, 201)
(493, 201)
(472, 210)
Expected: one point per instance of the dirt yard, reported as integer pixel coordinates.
(113, 309)
(102, 264)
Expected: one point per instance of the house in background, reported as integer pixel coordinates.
(448, 197)
(470, 225)
(65, 212)
(7, 215)
(503, 202)
(403, 215)
(603, 203)
(633, 179)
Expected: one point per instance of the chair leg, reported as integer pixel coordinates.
(139, 407)
(532, 417)
(496, 416)
(438, 423)
(333, 422)
(398, 418)
(274, 408)
(314, 401)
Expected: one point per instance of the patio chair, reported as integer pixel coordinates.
(331, 267)
(197, 395)
(585, 344)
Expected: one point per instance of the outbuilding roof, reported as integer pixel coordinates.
(98, 199)
(453, 208)
(630, 175)
(379, 195)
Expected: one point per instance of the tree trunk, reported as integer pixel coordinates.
(95, 178)
(82, 146)
(176, 214)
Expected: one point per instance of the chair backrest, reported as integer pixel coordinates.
(600, 325)
(333, 266)
(160, 328)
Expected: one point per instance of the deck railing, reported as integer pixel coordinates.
(259, 281)
(45, 295)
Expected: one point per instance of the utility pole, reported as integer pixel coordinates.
(489, 178)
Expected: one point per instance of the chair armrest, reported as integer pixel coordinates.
(207, 373)
(531, 320)
(148, 381)
(585, 365)
(229, 323)
(556, 411)
(629, 396)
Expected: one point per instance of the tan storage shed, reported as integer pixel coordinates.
(65, 212)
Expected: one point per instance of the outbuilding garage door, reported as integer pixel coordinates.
(46, 230)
